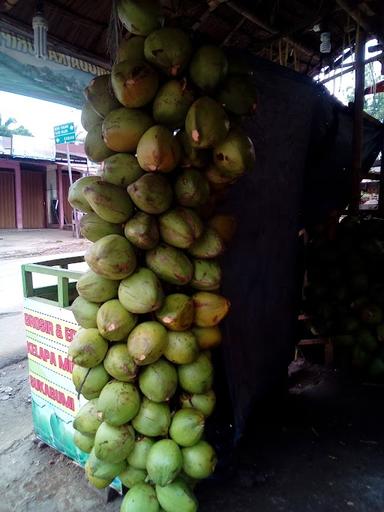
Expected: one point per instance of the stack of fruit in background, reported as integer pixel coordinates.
(166, 125)
(345, 292)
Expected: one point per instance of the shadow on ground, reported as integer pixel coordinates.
(320, 450)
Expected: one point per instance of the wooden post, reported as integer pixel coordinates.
(381, 189)
(18, 196)
(357, 141)
(60, 196)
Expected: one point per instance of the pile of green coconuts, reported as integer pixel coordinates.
(165, 125)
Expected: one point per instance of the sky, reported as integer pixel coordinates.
(37, 115)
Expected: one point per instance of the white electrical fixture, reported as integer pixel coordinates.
(40, 29)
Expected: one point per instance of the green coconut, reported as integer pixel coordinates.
(84, 442)
(112, 256)
(95, 288)
(140, 17)
(114, 444)
(207, 337)
(153, 419)
(89, 381)
(118, 402)
(141, 292)
(114, 321)
(99, 483)
(168, 49)
(238, 95)
(170, 264)
(138, 456)
(197, 377)
(235, 154)
(146, 343)
(87, 419)
(209, 67)
(209, 245)
(85, 312)
(218, 178)
(371, 314)
(164, 462)
(158, 150)
(210, 308)
(176, 313)
(100, 95)
(119, 364)
(206, 274)
(187, 427)
(122, 129)
(199, 461)
(121, 169)
(182, 347)
(140, 498)
(89, 117)
(133, 476)
(191, 188)
(151, 193)
(191, 156)
(94, 145)
(176, 497)
(203, 402)
(94, 227)
(131, 49)
(110, 202)
(180, 227)
(206, 123)
(172, 102)
(158, 381)
(225, 225)
(76, 193)
(134, 83)
(142, 231)
(88, 348)
(103, 469)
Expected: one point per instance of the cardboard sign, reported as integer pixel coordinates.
(50, 331)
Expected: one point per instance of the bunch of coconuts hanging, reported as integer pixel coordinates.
(166, 126)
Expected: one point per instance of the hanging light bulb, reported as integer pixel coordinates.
(40, 29)
(325, 42)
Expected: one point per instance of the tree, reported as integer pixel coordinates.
(6, 129)
(373, 103)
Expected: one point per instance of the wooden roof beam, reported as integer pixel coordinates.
(265, 26)
(73, 15)
(369, 25)
(7, 5)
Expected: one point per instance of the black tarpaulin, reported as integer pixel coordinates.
(303, 140)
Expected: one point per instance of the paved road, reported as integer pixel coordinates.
(12, 336)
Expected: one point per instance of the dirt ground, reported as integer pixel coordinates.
(38, 242)
(320, 450)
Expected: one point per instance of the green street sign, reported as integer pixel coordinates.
(65, 133)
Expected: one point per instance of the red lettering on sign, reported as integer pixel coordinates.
(65, 364)
(59, 331)
(53, 393)
(69, 334)
(39, 324)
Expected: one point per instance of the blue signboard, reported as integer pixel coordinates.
(65, 133)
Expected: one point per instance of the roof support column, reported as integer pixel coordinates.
(357, 141)
(18, 196)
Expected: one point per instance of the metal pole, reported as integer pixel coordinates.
(381, 189)
(69, 165)
(357, 141)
